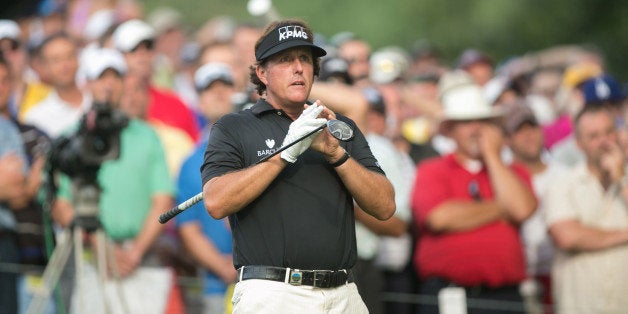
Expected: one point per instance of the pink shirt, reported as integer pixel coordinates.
(557, 130)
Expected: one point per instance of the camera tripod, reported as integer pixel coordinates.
(86, 199)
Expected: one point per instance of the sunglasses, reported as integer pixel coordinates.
(9, 44)
(474, 190)
(148, 44)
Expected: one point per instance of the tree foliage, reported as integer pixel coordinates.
(502, 28)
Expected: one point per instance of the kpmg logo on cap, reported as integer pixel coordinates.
(291, 31)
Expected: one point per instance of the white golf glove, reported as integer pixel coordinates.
(306, 123)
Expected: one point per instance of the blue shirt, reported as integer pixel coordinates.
(10, 142)
(188, 185)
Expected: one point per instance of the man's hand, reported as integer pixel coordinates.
(307, 122)
(491, 140)
(126, 260)
(12, 179)
(613, 163)
(325, 143)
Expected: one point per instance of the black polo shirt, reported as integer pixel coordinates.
(304, 219)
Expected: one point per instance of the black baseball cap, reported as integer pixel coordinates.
(285, 37)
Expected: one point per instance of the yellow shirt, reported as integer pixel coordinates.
(35, 92)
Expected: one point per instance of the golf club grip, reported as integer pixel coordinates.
(163, 218)
(281, 149)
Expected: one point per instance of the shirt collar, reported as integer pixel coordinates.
(262, 106)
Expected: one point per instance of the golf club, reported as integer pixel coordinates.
(338, 129)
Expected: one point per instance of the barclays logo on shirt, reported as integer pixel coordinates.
(270, 143)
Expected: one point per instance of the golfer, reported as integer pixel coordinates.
(291, 216)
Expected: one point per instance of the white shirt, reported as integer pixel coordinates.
(538, 245)
(53, 115)
(594, 281)
(400, 172)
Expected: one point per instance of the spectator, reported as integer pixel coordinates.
(12, 178)
(600, 90)
(335, 70)
(588, 220)
(66, 103)
(357, 52)
(136, 190)
(568, 101)
(423, 112)
(29, 230)
(384, 247)
(477, 64)
(525, 140)
(468, 206)
(426, 59)
(136, 39)
(388, 66)
(23, 93)
(208, 240)
(170, 37)
(174, 122)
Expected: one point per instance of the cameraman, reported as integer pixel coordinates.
(136, 189)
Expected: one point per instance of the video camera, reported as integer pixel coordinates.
(96, 141)
(81, 154)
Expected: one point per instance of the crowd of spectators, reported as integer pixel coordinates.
(509, 175)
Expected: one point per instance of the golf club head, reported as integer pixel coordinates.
(340, 130)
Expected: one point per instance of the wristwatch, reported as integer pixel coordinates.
(342, 160)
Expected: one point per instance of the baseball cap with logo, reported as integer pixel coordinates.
(9, 29)
(211, 72)
(285, 37)
(131, 33)
(601, 89)
(388, 64)
(95, 62)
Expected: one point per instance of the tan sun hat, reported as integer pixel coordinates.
(464, 100)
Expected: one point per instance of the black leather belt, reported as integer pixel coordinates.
(297, 277)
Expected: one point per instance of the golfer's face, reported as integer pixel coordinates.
(288, 76)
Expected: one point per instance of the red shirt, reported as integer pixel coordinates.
(169, 109)
(489, 255)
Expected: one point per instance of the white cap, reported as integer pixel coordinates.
(98, 23)
(95, 61)
(211, 72)
(130, 33)
(9, 29)
(388, 64)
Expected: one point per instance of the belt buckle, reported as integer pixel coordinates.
(296, 277)
(322, 278)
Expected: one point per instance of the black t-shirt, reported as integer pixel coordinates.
(304, 219)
